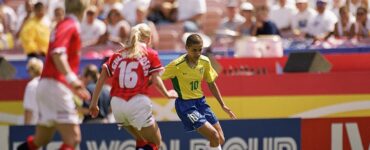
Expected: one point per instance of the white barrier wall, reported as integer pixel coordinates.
(4, 137)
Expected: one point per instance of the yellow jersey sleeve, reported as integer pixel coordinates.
(169, 71)
(209, 74)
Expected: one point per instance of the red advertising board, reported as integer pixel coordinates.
(336, 134)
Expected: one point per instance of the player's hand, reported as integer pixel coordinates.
(94, 110)
(80, 90)
(229, 112)
(172, 94)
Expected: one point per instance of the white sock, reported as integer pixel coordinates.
(215, 148)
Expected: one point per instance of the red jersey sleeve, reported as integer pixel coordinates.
(60, 37)
(111, 64)
(155, 63)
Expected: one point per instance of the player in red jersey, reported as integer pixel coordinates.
(58, 83)
(131, 69)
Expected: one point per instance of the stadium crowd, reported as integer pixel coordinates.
(26, 24)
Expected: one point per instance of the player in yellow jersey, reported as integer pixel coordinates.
(186, 73)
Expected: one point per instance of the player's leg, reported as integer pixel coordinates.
(148, 138)
(210, 133)
(218, 128)
(71, 135)
(140, 116)
(212, 119)
(66, 119)
(194, 118)
(42, 137)
(140, 141)
(206, 111)
(120, 110)
(152, 134)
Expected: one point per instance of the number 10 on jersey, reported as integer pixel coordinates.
(194, 85)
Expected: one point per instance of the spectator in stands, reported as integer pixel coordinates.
(130, 7)
(233, 19)
(323, 23)
(8, 17)
(108, 6)
(355, 4)
(117, 28)
(93, 30)
(6, 39)
(282, 15)
(271, 3)
(24, 12)
(34, 35)
(164, 13)
(31, 113)
(342, 28)
(302, 18)
(361, 28)
(230, 30)
(50, 6)
(249, 24)
(263, 25)
(90, 76)
(190, 13)
(59, 15)
(141, 17)
(336, 5)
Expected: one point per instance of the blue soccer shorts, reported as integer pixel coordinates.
(194, 113)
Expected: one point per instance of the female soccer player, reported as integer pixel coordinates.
(186, 73)
(131, 70)
(58, 82)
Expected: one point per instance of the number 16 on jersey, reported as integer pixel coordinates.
(127, 76)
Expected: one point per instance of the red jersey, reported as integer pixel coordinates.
(65, 38)
(130, 76)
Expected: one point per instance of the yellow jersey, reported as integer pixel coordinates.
(34, 36)
(187, 81)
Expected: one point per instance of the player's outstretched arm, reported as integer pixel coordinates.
(216, 93)
(161, 88)
(94, 109)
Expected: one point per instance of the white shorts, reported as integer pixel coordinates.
(56, 104)
(136, 112)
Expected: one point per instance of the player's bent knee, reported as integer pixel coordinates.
(215, 137)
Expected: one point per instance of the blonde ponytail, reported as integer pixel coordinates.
(139, 34)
